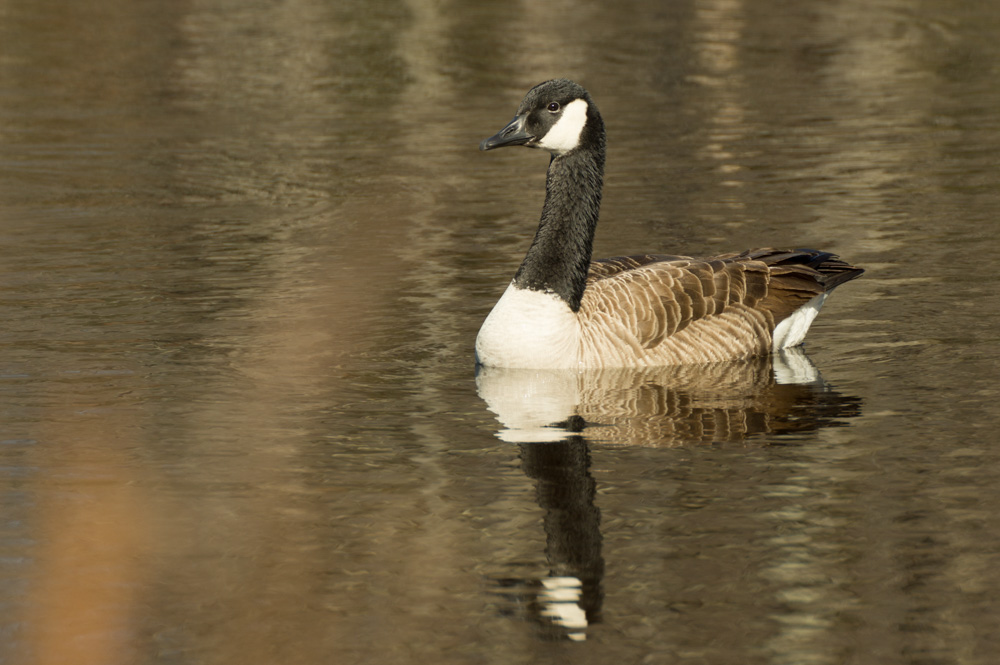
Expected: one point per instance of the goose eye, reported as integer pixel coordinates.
(554, 107)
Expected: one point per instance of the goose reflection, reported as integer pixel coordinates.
(554, 416)
(667, 406)
(568, 599)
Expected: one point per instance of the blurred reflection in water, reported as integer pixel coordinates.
(568, 599)
(555, 415)
(724, 402)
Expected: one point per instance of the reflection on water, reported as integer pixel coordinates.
(556, 415)
(568, 599)
(246, 247)
(724, 402)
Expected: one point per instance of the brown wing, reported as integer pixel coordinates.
(658, 297)
(691, 306)
(798, 276)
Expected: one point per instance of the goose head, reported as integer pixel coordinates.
(558, 116)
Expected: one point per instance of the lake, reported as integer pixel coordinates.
(247, 247)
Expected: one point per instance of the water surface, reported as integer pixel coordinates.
(247, 247)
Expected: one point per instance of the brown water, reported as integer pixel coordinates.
(246, 249)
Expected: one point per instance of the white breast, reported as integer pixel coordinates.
(529, 329)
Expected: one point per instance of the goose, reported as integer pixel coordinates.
(564, 311)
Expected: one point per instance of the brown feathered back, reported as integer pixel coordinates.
(663, 309)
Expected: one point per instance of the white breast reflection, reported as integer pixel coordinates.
(667, 406)
(556, 416)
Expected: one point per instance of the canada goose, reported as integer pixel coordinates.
(563, 311)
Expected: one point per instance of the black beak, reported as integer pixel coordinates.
(513, 134)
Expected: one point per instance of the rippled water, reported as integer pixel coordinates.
(246, 250)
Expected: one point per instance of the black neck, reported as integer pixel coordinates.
(559, 257)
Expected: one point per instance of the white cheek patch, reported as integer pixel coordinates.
(565, 134)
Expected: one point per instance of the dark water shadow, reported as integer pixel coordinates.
(555, 418)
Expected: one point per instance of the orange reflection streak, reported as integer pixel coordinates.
(92, 539)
